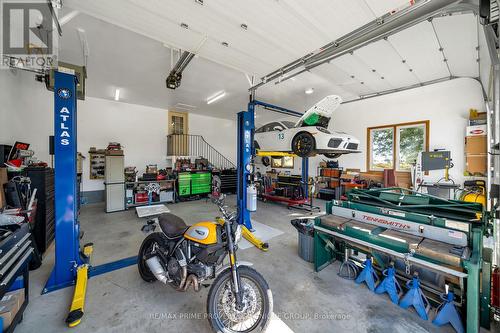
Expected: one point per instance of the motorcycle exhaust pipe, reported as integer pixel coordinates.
(192, 280)
(157, 269)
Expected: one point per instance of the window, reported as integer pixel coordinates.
(275, 126)
(282, 162)
(396, 146)
(288, 124)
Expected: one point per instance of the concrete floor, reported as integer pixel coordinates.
(121, 302)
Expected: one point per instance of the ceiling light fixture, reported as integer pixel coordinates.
(199, 2)
(216, 97)
(117, 94)
(309, 91)
(244, 26)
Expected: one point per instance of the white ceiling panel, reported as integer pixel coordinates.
(328, 17)
(127, 15)
(380, 8)
(362, 73)
(358, 89)
(271, 19)
(231, 57)
(419, 47)
(382, 57)
(333, 74)
(459, 38)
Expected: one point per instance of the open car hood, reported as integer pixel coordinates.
(320, 113)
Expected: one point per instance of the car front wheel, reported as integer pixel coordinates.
(332, 156)
(303, 144)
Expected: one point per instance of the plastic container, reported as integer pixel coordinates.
(305, 231)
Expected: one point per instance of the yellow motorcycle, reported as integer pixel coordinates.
(182, 256)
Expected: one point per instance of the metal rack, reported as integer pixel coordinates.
(133, 185)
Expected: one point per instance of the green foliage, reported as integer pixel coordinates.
(411, 142)
(382, 148)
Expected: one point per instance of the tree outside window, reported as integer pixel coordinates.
(396, 146)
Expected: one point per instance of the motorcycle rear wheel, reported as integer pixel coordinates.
(220, 302)
(144, 251)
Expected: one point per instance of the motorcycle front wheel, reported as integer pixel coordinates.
(257, 302)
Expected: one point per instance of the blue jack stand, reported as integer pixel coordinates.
(368, 275)
(390, 285)
(448, 314)
(416, 298)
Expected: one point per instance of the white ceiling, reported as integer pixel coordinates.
(126, 40)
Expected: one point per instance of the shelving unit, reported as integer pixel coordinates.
(167, 185)
(332, 178)
(97, 164)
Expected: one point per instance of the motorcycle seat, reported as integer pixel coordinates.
(172, 226)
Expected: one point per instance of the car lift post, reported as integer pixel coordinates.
(246, 153)
(72, 264)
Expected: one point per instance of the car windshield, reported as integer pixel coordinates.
(288, 124)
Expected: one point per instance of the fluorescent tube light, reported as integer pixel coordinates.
(216, 97)
(117, 94)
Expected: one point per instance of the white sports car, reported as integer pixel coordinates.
(309, 136)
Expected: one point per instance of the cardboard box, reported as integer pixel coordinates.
(3, 181)
(10, 304)
(7, 313)
(475, 145)
(476, 164)
(16, 296)
(476, 130)
(476, 115)
(114, 152)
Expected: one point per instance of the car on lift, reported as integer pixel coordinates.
(309, 136)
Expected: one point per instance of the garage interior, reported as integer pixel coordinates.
(250, 166)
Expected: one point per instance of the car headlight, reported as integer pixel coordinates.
(322, 129)
(237, 234)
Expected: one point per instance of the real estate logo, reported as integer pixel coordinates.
(28, 35)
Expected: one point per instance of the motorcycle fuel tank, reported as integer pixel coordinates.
(203, 233)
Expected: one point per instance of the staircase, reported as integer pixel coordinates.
(187, 145)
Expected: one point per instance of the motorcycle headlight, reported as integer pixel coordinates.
(237, 234)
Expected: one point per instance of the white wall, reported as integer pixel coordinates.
(141, 130)
(445, 104)
(220, 133)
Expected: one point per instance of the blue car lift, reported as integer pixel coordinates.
(246, 153)
(69, 258)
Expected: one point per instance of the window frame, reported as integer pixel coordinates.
(395, 142)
